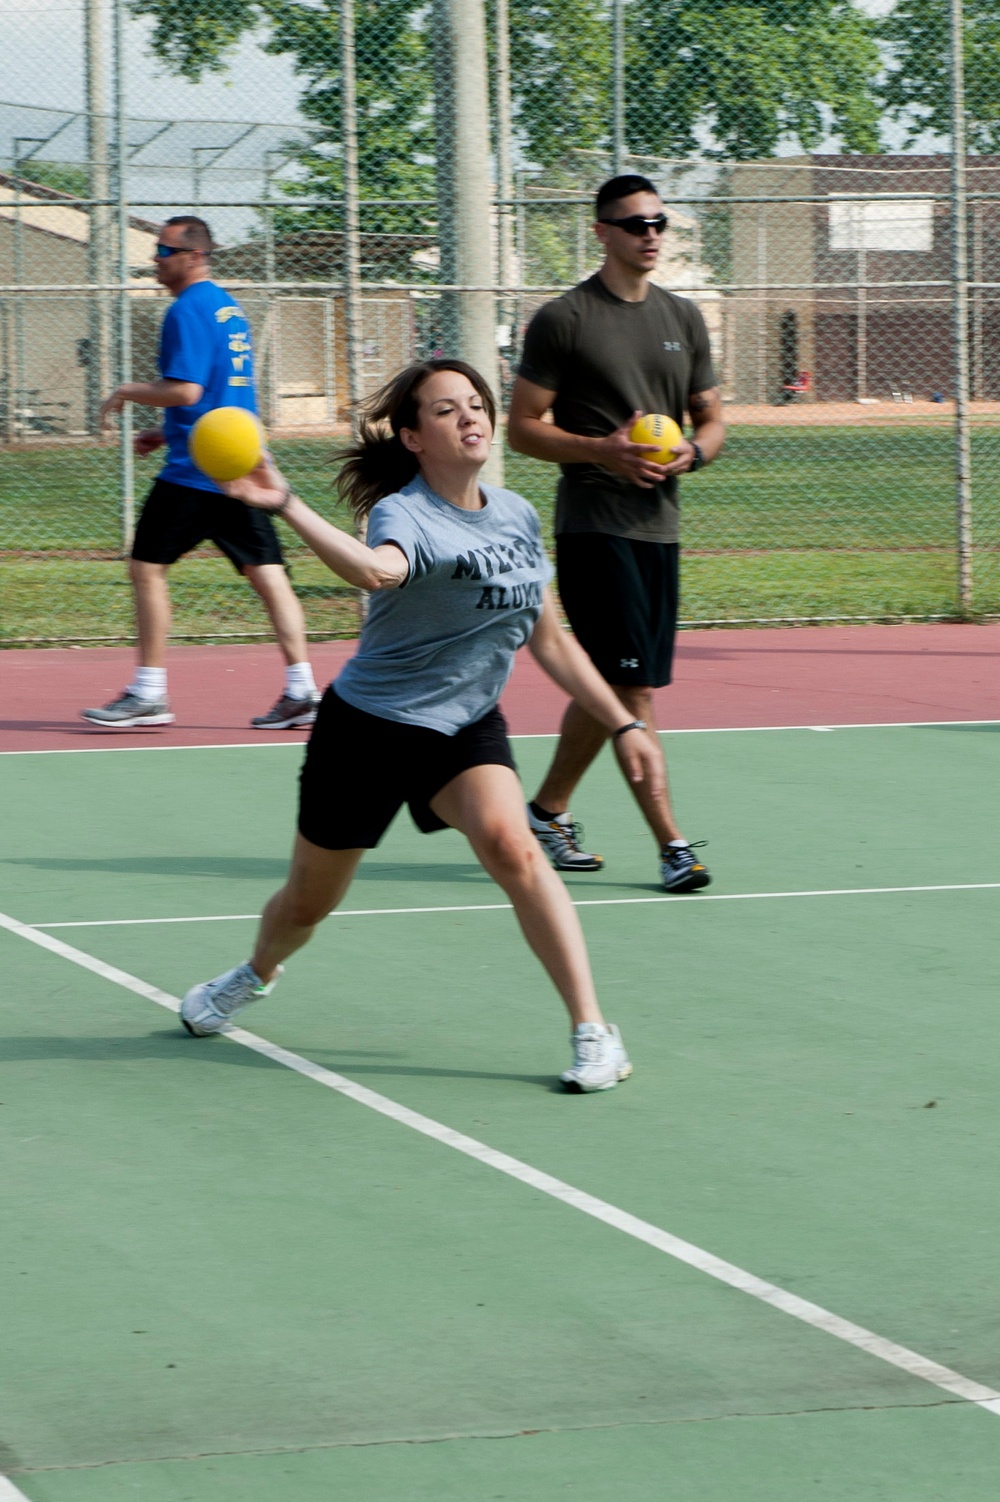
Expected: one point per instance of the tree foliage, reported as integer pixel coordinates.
(394, 93)
(727, 79)
(737, 80)
(917, 86)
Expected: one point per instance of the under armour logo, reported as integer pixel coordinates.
(629, 662)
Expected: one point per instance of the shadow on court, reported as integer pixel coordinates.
(160, 1047)
(174, 1046)
(261, 868)
(226, 867)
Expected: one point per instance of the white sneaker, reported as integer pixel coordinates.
(208, 1007)
(599, 1058)
(560, 839)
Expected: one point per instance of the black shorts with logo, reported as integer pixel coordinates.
(176, 518)
(360, 769)
(621, 599)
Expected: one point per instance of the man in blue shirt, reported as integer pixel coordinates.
(206, 361)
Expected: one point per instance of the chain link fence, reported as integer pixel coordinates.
(419, 177)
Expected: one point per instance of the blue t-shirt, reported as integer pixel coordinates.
(205, 338)
(438, 650)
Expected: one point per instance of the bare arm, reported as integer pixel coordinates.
(384, 567)
(161, 393)
(528, 432)
(567, 664)
(705, 409)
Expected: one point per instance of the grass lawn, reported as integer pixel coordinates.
(793, 522)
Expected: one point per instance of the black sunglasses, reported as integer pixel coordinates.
(165, 251)
(636, 225)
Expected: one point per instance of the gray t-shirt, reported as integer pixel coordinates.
(438, 651)
(605, 359)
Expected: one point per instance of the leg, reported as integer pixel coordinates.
(144, 701)
(317, 880)
(580, 740)
(152, 611)
(317, 883)
(656, 811)
(486, 804)
(283, 606)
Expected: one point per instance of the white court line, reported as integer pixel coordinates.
(534, 736)
(10, 1493)
(939, 1376)
(493, 907)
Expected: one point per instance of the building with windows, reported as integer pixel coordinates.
(841, 268)
(56, 335)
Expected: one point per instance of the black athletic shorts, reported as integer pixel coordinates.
(621, 599)
(360, 769)
(176, 518)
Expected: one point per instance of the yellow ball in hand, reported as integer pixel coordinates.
(226, 443)
(663, 431)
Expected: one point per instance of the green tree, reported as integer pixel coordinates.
(917, 86)
(719, 77)
(395, 125)
(65, 177)
(733, 81)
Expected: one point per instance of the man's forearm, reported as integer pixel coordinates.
(161, 393)
(543, 440)
(710, 437)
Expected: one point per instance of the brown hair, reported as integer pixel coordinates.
(379, 464)
(195, 232)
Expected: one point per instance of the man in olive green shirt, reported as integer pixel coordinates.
(616, 347)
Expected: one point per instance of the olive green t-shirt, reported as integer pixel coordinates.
(605, 359)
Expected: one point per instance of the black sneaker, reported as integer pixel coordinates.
(681, 869)
(288, 714)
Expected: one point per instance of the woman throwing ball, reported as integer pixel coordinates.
(459, 580)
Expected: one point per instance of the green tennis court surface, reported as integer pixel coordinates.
(224, 1280)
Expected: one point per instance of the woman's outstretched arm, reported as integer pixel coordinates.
(266, 488)
(567, 664)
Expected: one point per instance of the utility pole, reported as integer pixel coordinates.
(618, 146)
(465, 199)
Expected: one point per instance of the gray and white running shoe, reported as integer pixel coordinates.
(208, 1007)
(560, 839)
(288, 714)
(599, 1058)
(128, 710)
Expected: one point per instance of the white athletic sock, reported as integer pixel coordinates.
(149, 684)
(299, 681)
(677, 844)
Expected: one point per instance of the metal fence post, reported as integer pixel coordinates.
(351, 239)
(126, 460)
(97, 356)
(960, 310)
(505, 171)
(352, 220)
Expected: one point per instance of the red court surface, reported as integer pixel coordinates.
(724, 679)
